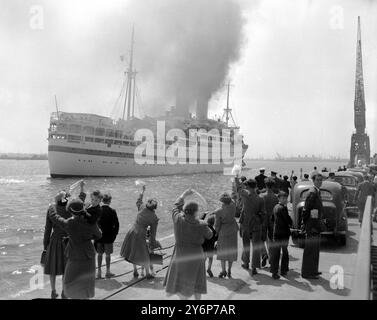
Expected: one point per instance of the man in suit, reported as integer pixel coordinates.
(260, 179)
(270, 201)
(311, 217)
(251, 222)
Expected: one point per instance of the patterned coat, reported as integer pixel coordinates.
(135, 248)
(226, 227)
(186, 274)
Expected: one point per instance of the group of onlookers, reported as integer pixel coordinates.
(75, 231)
(264, 221)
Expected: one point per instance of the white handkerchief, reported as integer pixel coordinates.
(314, 213)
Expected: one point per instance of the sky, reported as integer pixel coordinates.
(292, 81)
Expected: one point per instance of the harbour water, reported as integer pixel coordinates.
(26, 190)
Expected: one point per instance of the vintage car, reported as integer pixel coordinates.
(364, 171)
(334, 215)
(349, 181)
(359, 175)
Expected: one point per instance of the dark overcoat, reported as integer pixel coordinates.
(79, 275)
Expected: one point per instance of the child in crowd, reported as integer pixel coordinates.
(209, 244)
(109, 225)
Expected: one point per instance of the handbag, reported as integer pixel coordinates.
(43, 257)
(156, 258)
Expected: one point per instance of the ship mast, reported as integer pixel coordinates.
(227, 111)
(57, 108)
(129, 100)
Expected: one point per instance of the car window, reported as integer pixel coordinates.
(325, 195)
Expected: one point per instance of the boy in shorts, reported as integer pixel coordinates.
(109, 225)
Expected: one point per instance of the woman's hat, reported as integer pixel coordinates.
(190, 207)
(151, 204)
(76, 206)
(225, 198)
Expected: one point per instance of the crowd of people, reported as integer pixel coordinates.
(76, 232)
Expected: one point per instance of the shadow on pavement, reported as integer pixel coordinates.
(290, 280)
(154, 283)
(233, 285)
(108, 284)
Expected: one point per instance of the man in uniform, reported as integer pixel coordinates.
(270, 201)
(251, 221)
(260, 180)
(276, 180)
(285, 185)
(312, 216)
(280, 238)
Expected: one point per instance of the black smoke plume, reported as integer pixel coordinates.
(185, 45)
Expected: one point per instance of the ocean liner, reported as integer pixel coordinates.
(82, 144)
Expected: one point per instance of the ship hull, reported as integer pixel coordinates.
(66, 164)
(86, 145)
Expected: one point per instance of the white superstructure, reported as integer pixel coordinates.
(90, 145)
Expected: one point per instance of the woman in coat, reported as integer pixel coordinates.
(79, 275)
(135, 248)
(186, 275)
(227, 229)
(53, 243)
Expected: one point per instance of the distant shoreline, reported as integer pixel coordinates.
(33, 157)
